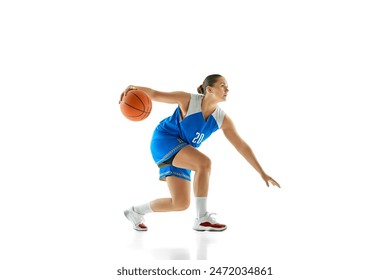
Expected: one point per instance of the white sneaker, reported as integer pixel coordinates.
(136, 219)
(208, 223)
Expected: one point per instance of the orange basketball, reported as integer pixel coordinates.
(135, 105)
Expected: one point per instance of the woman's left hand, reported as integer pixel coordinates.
(269, 179)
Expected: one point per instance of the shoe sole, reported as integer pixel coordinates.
(210, 229)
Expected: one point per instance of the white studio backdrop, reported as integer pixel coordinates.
(308, 84)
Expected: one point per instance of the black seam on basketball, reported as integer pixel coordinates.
(140, 100)
(132, 116)
(149, 109)
(135, 108)
(138, 108)
(146, 113)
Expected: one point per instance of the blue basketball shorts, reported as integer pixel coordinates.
(164, 147)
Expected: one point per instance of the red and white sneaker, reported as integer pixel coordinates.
(208, 223)
(136, 219)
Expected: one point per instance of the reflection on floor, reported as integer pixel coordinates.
(195, 245)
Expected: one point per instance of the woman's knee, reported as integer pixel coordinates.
(181, 204)
(204, 164)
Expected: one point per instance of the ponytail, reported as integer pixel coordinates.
(209, 81)
(200, 89)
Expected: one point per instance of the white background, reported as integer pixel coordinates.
(308, 84)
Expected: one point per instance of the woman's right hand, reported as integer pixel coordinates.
(126, 91)
(130, 88)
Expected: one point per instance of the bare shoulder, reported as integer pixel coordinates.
(227, 123)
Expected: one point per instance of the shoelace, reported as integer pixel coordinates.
(212, 218)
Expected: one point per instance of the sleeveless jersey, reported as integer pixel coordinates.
(175, 132)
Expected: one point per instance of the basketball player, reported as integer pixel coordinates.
(174, 148)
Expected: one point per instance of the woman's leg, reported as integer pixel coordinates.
(188, 158)
(191, 158)
(180, 190)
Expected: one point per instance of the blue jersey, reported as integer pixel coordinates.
(175, 132)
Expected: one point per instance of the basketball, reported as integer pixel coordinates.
(135, 105)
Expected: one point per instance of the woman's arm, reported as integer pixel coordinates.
(243, 148)
(177, 97)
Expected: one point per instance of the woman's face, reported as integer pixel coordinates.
(219, 89)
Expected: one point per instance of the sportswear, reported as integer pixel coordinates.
(175, 132)
(201, 206)
(208, 223)
(136, 219)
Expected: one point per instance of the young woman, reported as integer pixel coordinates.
(174, 149)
